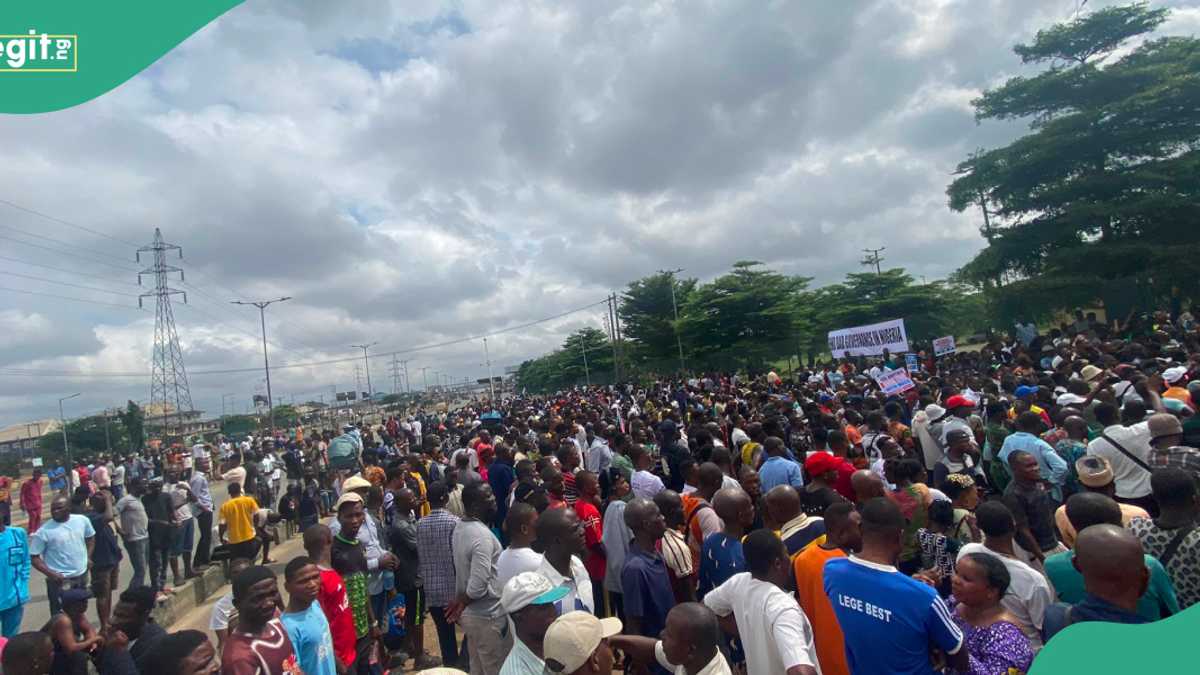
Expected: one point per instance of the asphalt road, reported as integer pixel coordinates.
(37, 610)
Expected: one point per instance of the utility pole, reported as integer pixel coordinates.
(873, 258)
(62, 420)
(262, 305)
(367, 365)
(491, 385)
(587, 376)
(612, 335)
(357, 380)
(675, 309)
(424, 379)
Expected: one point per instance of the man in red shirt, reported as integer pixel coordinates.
(587, 507)
(31, 500)
(318, 541)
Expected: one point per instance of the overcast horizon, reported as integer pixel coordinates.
(416, 173)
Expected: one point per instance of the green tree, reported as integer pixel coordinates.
(564, 367)
(238, 425)
(133, 419)
(648, 316)
(87, 436)
(286, 416)
(751, 314)
(1108, 179)
(586, 355)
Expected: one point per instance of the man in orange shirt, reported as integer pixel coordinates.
(842, 537)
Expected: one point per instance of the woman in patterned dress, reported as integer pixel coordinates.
(993, 641)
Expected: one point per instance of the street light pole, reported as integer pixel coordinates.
(262, 317)
(675, 308)
(62, 419)
(491, 385)
(367, 365)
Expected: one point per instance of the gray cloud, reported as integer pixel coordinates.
(413, 173)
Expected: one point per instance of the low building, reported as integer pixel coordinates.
(23, 438)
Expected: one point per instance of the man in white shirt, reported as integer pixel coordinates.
(688, 645)
(774, 631)
(1028, 592)
(518, 557)
(1127, 449)
(561, 535)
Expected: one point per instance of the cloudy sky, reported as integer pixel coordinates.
(417, 172)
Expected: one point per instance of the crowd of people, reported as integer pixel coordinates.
(724, 523)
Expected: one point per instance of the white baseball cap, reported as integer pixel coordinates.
(573, 637)
(529, 588)
(1173, 375)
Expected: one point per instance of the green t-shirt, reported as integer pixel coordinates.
(1157, 602)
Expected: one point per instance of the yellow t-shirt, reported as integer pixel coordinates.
(238, 516)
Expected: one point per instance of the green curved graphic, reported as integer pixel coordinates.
(1098, 648)
(81, 49)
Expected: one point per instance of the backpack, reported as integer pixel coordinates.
(343, 453)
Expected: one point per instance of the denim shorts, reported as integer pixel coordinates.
(184, 535)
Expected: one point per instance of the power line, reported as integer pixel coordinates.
(64, 283)
(70, 253)
(66, 222)
(61, 243)
(65, 271)
(326, 362)
(65, 297)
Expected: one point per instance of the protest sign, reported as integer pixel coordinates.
(895, 381)
(943, 346)
(910, 361)
(869, 340)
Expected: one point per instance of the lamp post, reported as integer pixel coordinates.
(262, 317)
(367, 365)
(491, 385)
(675, 309)
(62, 419)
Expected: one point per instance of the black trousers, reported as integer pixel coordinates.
(447, 641)
(204, 521)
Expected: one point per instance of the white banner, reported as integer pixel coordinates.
(943, 345)
(869, 340)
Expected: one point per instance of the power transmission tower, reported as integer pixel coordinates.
(358, 380)
(395, 375)
(168, 378)
(873, 258)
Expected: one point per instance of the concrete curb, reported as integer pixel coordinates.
(195, 592)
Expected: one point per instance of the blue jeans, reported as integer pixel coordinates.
(183, 538)
(138, 551)
(10, 620)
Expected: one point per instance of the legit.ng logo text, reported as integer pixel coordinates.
(35, 52)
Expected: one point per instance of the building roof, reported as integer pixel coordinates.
(27, 430)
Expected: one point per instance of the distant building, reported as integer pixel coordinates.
(23, 438)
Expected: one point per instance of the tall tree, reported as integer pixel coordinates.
(750, 314)
(133, 418)
(1100, 200)
(648, 315)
